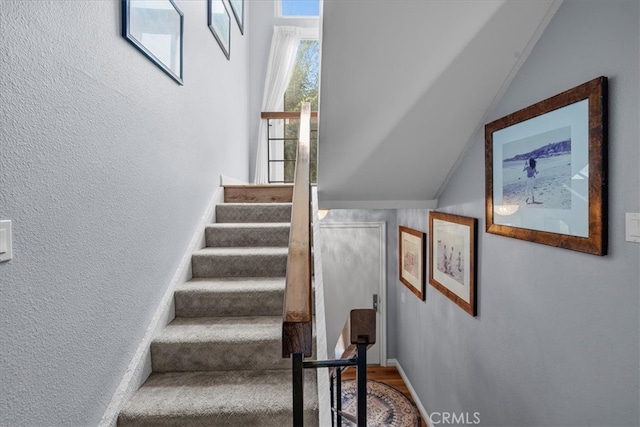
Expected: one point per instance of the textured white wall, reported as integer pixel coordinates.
(106, 166)
(555, 342)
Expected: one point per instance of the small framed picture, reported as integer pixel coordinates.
(411, 256)
(220, 25)
(452, 258)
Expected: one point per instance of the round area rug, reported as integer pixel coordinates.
(386, 406)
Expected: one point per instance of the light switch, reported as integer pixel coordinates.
(632, 227)
(6, 250)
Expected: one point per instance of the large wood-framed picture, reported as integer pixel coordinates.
(452, 258)
(546, 171)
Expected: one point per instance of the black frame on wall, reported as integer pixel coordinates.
(162, 22)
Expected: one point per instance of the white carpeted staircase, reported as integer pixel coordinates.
(218, 363)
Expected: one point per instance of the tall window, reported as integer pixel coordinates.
(303, 87)
(291, 8)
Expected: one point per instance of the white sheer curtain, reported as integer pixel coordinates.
(284, 47)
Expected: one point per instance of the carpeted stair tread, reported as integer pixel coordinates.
(237, 398)
(207, 329)
(219, 343)
(253, 212)
(238, 261)
(247, 234)
(230, 296)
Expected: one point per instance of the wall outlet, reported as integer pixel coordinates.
(6, 247)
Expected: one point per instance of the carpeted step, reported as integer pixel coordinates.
(219, 343)
(236, 262)
(247, 234)
(253, 212)
(237, 398)
(258, 296)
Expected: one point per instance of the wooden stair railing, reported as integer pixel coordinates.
(285, 115)
(359, 332)
(297, 311)
(297, 321)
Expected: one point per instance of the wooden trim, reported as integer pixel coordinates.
(269, 193)
(285, 115)
(297, 311)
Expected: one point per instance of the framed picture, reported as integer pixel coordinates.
(220, 25)
(411, 245)
(237, 7)
(546, 171)
(155, 28)
(452, 258)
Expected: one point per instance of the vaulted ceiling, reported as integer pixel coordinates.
(406, 84)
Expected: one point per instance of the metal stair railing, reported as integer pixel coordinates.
(358, 335)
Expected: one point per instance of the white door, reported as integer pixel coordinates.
(353, 271)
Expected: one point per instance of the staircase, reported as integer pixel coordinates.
(219, 363)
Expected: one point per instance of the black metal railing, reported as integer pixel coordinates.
(358, 335)
(282, 140)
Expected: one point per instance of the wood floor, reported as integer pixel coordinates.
(384, 374)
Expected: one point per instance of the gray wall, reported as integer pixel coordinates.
(555, 342)
(262, 15)
(106, 167)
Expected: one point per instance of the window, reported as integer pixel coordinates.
(303, 87)
(297, 8)
(283, 134)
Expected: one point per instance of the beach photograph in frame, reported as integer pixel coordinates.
(219, 22)
(452, 258)
(545, 171)
(411, 257)
(155, 28)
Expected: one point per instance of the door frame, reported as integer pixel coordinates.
(382, 292)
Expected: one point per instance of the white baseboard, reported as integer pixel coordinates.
(414, 395)
(229, 180)
(139, 368)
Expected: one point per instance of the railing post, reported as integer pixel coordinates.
(269, 150)
(338, 397)
(361, 377)
(298, 389)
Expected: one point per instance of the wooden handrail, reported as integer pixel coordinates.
(285, 114)
(360, 324)
(297, 312)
